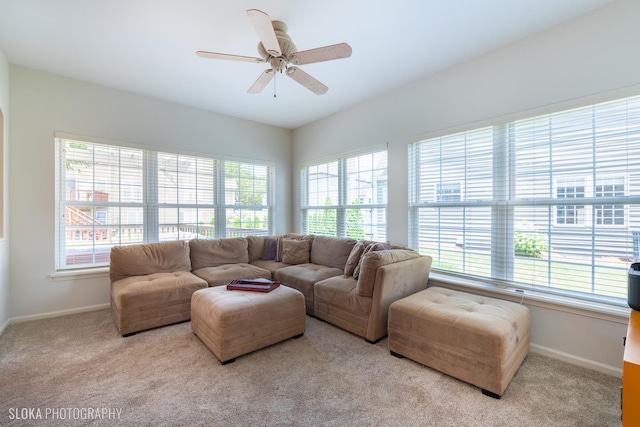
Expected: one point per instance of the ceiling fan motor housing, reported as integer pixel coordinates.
(279, 63)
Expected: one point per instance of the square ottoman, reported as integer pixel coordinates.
(232, 323)
(477, 339)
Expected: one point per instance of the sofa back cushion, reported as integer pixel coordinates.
(370, 263)
(331, 251)
(212, 253)
(298, 236)
(149, 258)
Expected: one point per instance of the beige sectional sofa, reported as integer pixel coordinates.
(345, 282)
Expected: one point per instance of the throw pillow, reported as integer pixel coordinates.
(270, 248)
(376, 246)
(354, 259)
(295, 251)
(279, 248)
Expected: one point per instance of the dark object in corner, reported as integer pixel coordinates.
(633, 291)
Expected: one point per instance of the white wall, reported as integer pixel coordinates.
(592, 54)
(4, 158)
(42, 103)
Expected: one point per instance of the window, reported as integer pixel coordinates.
(551, 201)
(610, 214)
(109, 195)
(346, 197)
(570, 214)
(247, 201)
(448, 192)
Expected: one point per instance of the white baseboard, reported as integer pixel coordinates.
(4, 327)
(577, 360)
(57, 313)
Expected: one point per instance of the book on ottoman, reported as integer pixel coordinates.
(255, 285)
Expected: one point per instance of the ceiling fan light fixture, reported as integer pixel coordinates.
(278, 64)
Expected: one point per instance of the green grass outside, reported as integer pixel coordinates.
(600, 280)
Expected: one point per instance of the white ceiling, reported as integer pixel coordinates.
(148, 46)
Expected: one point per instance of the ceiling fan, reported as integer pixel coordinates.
(277, 49)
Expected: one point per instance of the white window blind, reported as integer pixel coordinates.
(551, 201)
(346, 197)
(109, 195)
(248, 199)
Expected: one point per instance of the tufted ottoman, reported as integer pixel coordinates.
(476, 339)
(233, 323)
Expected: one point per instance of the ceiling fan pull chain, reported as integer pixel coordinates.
(275, 77)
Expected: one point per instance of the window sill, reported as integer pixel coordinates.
(88, 273)
(599, 310)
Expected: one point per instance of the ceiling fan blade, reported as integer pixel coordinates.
(327, 53)
(262, 81)
(214, 55)
(262, 23)
(306, 80)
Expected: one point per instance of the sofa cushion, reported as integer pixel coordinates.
(298, 236)
(354, 259)
(279, 240)
(295, 251)
(223, 274)
(136, 295)
(305, 275)
(331, 251)
(302, 277)
(211, 253)
(369, 247)
(340, 291)
(271, 265)
(255, 247)
(270, 248)
(372, 260)
(139, 260)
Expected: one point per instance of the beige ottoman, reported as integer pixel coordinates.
(476, 339)
(233, 323)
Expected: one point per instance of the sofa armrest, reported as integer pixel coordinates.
(393, 282)
(371, 261)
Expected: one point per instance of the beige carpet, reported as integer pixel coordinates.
(78, 363)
